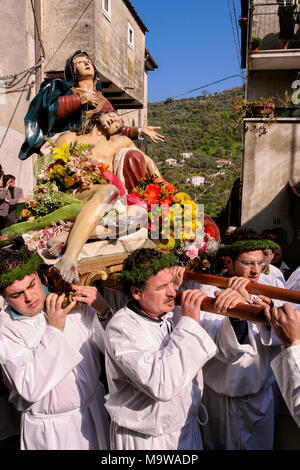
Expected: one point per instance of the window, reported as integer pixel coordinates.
(106, 8)
(130, 36)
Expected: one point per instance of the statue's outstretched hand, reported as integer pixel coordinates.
(150, 132)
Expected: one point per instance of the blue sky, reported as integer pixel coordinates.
(193, 43)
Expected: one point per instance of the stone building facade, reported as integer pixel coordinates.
(271, 157)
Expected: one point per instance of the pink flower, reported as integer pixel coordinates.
(192, 252)
(203, 249)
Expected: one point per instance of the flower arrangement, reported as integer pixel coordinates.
(46, 200)
(73, 167)
(69, 168)
(37, 240)
(263, 107)
(180, 227)
(200, 254)
(155, 190)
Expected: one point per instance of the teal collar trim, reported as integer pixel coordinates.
(15, 314)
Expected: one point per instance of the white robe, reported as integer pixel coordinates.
(286, 367)
(274, 278)
(53, 379)
(238, 383)
(155, 381)
(293, 283)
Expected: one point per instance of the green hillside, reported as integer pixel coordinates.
(208, 127)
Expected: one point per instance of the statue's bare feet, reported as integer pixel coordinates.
(68, 270)
(56, 245)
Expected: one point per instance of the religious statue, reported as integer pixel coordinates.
(76, 109)
(63, 105)
(122, 157)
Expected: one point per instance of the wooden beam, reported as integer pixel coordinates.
(113, 94)
(127, 106)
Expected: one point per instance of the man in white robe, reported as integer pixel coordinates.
(154, 358)
(286, 366)
(238, 381)
(51, 359)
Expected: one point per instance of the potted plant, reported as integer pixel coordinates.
(287, 108)
(243, 22)
(260, 107)
(255, 43)
(263, 106)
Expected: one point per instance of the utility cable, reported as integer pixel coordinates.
(37, 29)
(205, 86)
(235, 42)
(14, 112)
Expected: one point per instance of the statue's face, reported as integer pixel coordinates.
(83, 66)
(111, 123)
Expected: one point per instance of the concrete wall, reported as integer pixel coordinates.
(271, 160)
(270, 83)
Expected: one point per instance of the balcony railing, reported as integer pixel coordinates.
(264, 24)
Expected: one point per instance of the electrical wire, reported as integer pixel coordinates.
(37, 29)
(13, 83)
(205, 86)
(238, 36)
(14, 112)
(234, 36)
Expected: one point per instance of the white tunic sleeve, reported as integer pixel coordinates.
(36, 371)
(98, 332)
(286, 367)
(160, 373)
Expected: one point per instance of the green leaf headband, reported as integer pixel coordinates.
(138, 276)
(30, 265)
(246, 245)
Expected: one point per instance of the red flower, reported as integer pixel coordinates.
(167, 200)
(210, 231)
(152, 193)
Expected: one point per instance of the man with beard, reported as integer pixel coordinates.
(155, 352)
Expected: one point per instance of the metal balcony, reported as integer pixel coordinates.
(263, 23)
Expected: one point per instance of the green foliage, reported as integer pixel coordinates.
(208, 127)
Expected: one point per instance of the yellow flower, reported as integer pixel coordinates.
(167, 246)
(188, 231)
(194, 207)
(69, 181)
(59, 170)
(182, 197)
(62, 153)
